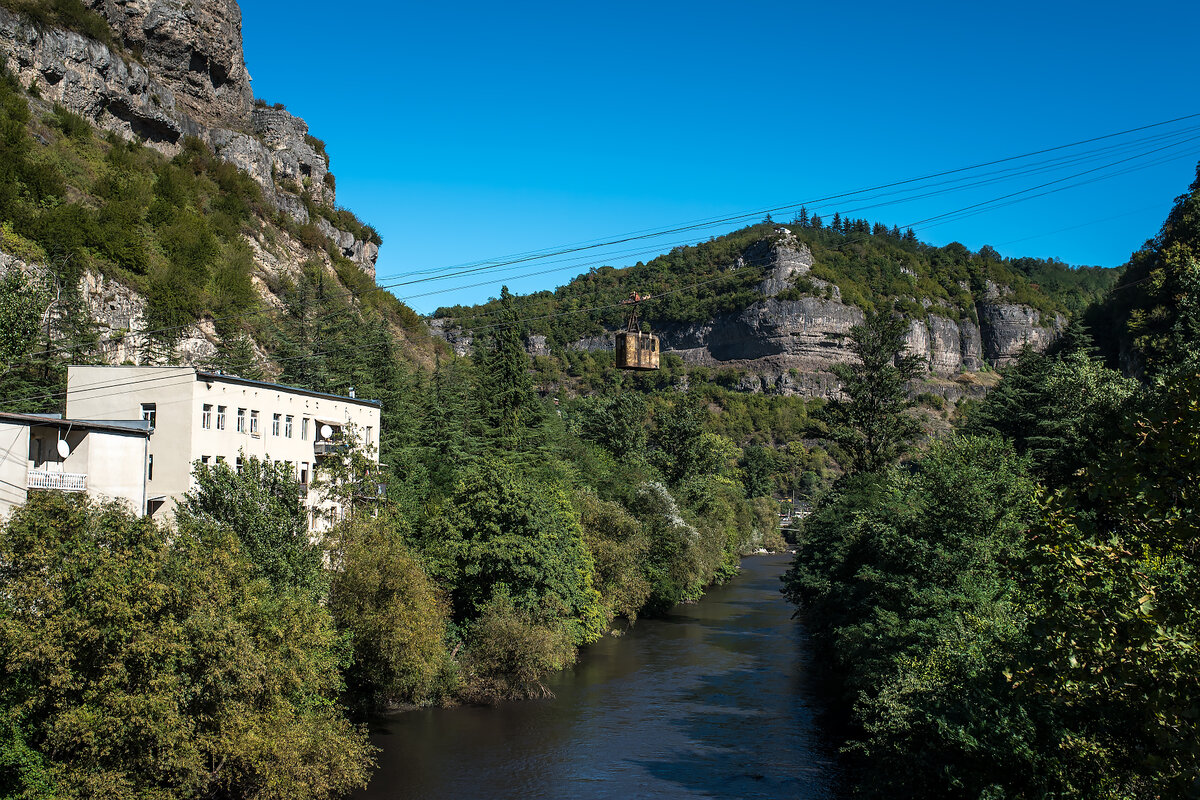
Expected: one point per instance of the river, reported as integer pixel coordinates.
(711, 701)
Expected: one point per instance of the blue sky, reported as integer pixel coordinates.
(470, 131)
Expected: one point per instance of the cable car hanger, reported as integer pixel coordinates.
(634, 349)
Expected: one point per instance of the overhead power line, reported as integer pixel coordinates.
(571, 255)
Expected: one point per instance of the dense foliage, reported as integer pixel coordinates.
(137, 661)
(1016, 613)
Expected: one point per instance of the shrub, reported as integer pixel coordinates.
(511, 650)
(137, 658)
(71, 124)
(70, 14)
(395, 615)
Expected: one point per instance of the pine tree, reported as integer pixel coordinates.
(507, 400)
(836, 225)
(869, 422)
(803, 219)
(235, 355)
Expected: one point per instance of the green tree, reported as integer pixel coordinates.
(1154, 315)
(910, 581)
(395, 615)
(679, 438)
(618, 423)
(261, 503)
(1060, 410)
(140, 662)
(759, 465)
(510, 406)
(22, 304)
(870, 423)
(1115, 587)
(505, 535)
(619, 544)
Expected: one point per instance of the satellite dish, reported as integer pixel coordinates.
(326, 431)
(64, 449)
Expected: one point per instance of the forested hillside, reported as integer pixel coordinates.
(871, 265)
(190, 243)
(1016, 611)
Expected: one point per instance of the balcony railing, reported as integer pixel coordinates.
(62, 481)
(330, 448)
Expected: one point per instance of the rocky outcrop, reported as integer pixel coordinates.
(786, 259)
(365, 253)
(86, 77)
(188, 79)
(118, 316)
(1007, 328)
(192, 46)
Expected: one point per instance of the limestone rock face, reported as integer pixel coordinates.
(119, 315)
(193, 46)
(790, 346)
(1007, 327)
(89, 79)
(788, 258)
(292, 157)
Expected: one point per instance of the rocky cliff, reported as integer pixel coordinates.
(179, 73)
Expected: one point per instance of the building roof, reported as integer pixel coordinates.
(221, 376)
(203, 375)
(137, 427)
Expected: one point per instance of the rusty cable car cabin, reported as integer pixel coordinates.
(634, 348)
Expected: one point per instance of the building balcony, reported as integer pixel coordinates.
(330, 448)
(60, 481)
(373, 491)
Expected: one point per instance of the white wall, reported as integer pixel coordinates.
(116, 468)
(14, 466)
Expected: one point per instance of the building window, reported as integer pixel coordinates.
(241, 420)
(220, 459)
(204, 459)
(287, 426)
(253, 423)
(206, 416)
(275, 424)
(220, 418)
(369, 435)
(238, 465)
(150, 413)
(304, 472)
(304, 429)
(150, 467)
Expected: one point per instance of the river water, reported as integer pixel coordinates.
(712, 701)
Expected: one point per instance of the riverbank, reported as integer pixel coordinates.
(713, 700)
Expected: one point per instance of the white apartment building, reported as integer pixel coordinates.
(210, 417)
(104, 458)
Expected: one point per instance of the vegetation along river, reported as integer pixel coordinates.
(711, 701)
